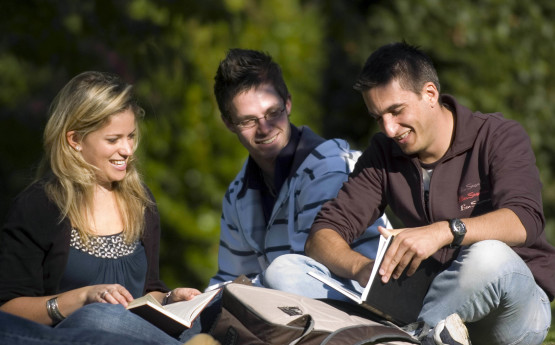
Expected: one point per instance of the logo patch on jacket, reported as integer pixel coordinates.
(472, 195)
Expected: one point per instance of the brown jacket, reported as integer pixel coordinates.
(490, 165)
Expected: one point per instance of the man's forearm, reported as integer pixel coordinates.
(329, 248)
(503, 225)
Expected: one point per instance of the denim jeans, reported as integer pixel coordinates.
(488, 285)
(101, 324)
(494, 292)
(19, 331)
(290, 273)
(114, 318)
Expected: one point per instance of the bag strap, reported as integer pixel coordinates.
(368, 334)
(309, 328)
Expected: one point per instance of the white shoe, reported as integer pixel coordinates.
(451, 331)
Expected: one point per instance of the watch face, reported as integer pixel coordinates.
(459, 230)
(458, 227)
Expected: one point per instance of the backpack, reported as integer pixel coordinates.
(260, 316)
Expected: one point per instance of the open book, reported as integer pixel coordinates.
(172, 318)
(400, 300)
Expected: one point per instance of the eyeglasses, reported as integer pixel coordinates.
(269, 117)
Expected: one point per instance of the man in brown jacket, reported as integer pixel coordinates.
(467, 190)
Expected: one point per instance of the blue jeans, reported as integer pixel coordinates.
(488, 285)
(19, 331)
(290, 273)
(494, 292)
(114, 318)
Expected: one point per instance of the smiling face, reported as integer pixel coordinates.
(266, 139)
(414, 121)
(110, 148)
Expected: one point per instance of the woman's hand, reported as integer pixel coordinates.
(182, 294)
(108, 293)
(34, 308)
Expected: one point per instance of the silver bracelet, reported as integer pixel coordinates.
(53, 310)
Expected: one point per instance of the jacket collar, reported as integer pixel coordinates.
(467, 126)
(302, 142)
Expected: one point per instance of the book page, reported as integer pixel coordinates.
(188, 310)
(144, 299)
(336, 285)
(382, 248)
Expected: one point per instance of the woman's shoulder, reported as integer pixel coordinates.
(34, 211)
(34, 193)
(151, 207)
(149, 193)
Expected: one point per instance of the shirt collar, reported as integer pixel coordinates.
(301, 143)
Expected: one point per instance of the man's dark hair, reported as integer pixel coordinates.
(242, 70)
(401, 61)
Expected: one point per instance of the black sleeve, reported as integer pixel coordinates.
(33, 252)
(151, 242)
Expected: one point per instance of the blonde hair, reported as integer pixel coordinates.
(84, 105)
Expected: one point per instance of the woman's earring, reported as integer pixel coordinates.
(78, 148)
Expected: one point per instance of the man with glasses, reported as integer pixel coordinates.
(269, 207)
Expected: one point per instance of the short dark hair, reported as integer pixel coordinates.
(401, 61)
(242, 70)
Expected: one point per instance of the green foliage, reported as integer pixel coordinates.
(492, 55)
(170, 51)
(550, 339)
(189, 156)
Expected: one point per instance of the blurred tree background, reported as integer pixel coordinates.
(493, 55)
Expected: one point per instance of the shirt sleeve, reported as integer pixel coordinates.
(319, 183)
(358, 203)
(151, 241)
(235, 256)
(27, 250)
(515, 178)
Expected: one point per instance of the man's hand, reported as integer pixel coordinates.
(412, 246)
(182, 294)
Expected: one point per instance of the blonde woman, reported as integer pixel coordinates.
(82, 241)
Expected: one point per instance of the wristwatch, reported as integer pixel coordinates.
(458, 229)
